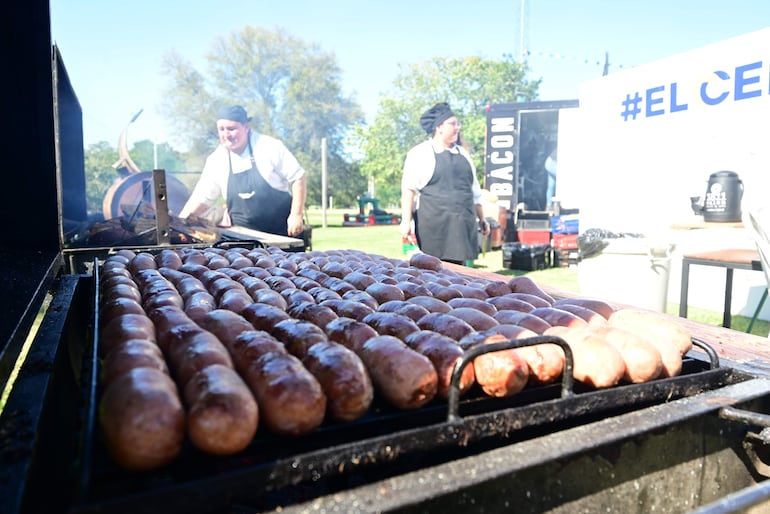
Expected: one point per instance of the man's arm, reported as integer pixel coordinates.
(407, 204)
(483, 225)
(295, 222)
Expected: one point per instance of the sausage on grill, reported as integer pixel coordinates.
(289, 397)
(404, 377)
(142, 419)
(444, 353)
(222, 414)
(596, 362)
(499, 373)
(343, 378)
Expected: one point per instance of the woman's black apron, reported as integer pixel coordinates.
(255, 204)
(445, 222)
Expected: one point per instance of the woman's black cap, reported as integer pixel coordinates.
(435, 116)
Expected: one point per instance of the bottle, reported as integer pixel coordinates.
(409, 244)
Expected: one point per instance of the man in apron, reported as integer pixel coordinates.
(440, 192)
(262, 182)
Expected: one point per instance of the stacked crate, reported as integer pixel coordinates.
(533, 231)
(526, 257)
(565, 240)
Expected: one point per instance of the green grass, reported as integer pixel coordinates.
(385, 240)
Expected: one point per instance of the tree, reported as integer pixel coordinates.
(100, 175)
(144, 154)
(292, 89)
(468, 84)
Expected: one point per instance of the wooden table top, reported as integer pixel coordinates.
(727, 255)
(699, 224)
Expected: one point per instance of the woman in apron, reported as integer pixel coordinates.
(440, 194)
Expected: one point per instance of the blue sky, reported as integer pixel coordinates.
(113, 50)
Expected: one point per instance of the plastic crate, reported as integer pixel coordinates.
(566, 258)
(565, 241)
(526, 257)
(533, 224)
(534, 237)
(566, 224)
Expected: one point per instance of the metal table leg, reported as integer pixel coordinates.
(683, 289)
(727, 317)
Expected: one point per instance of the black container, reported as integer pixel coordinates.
(526, 257)
(723, 197)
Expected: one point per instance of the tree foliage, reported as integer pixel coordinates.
(292, 89)
(100, 175)
(468, 84)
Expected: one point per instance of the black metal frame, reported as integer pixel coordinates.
(63, 445)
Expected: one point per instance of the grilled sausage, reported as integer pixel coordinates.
(168, 258)
(348, 308)
(559, 318)
(405, 378)
(425, 261)
(361, 297)
(123, 328)
(473, 303)
(226, 325)
(523, 319)
(350, 333)
(187, 347)
(501, 373)
(446, 324)
(653, 326)
(319, 315)
(289, 397)
(343, 378)
(411, 310)
(412, 289)
(643, 361)
(598, 306)
(475, 318)
(593, 318)
(141, 261)
(264, 316)
(532, 299)
(359, 279)
(116, 307)
(392, 324)
(198, 304)
(468, 291)
(121, 290)
(444, 353)
(133, 353)
(298, 335)
(545, 361)
(442, 292)
(596, 362)
(385, 292)
(509, 303)
(222, 414)
(497, 288)
(142, 419)
(524, 284)
(235, 300)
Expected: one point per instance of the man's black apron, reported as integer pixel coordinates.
(445, 222)
(255, 204)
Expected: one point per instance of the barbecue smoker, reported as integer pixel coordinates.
(698, 441)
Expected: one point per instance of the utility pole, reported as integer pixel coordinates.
(522, 29)
(323, 181)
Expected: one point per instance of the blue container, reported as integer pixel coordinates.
(566, 224)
